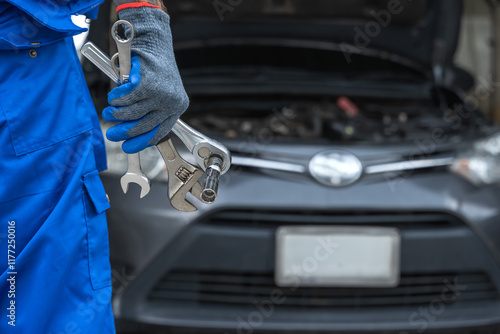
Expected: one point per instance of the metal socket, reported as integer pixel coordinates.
(210, 185)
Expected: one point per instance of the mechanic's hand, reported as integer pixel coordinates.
(154, 98)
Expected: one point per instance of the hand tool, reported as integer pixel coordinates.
(200, 146)
(209, 155)
(134, 172)
(183, 177)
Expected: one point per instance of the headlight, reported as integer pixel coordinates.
(480, 165)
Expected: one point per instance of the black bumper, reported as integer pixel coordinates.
(217, 275)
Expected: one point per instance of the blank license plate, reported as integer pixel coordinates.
(336, 256)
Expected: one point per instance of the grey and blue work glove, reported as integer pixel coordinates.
(149, 104)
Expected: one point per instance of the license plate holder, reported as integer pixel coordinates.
(337, 256)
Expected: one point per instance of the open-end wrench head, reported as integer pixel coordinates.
(141, 180)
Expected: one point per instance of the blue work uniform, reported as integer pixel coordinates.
(54, 254)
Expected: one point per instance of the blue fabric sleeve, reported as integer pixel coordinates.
(28, 23)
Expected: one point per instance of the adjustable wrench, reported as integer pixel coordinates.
(134, 172)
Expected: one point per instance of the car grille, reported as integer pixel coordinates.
(238, 289)
(270, 218)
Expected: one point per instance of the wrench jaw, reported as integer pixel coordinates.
(182, 177)
(177, 195)
(135, 174)
(141, 180)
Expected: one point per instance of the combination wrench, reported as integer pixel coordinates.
(210, 155)
(122, 63)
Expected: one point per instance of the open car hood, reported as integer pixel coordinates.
(421, 33)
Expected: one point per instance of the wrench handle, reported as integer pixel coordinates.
(90, 51)
(134, 162)
(189, 136)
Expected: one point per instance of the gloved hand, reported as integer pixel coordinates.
(154, 98)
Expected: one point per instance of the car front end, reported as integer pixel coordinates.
(326, 137)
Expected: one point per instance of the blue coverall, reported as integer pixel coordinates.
(54, 252)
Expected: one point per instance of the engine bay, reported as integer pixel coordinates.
(339, 120)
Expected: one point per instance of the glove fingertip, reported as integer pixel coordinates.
(120, 91)
(119, 131)
(112, 135)
(108, 115)
(140, 142)
(109, 136)
(133, 146)
(130, 149)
